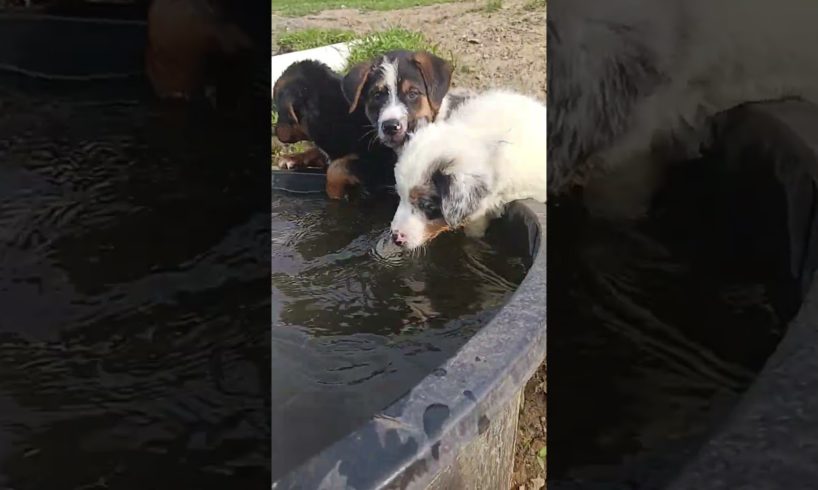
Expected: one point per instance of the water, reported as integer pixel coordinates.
(661, 324)
(134, 295)
(356, 323)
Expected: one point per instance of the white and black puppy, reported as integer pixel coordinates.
(402, 91)
(633, 84)
(461, 172)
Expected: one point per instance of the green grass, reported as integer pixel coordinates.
(541, 455)
(383, 41)
(492, 5)
(369, 46)
(312, 38)
(534, 5)
(295, 8)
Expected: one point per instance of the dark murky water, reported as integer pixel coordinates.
(355, 326)
(662, 325)
(133, 341)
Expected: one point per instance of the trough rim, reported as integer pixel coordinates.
(475, 384)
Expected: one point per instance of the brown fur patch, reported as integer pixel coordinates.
(434, 228)
(357, 75)
(415, 193)
(339, 177)
(377, 87)
(290, 133)
(425, 109)
(436, 73)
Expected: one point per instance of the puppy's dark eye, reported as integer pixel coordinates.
(412, 95)
(379, 95)
(430, 207)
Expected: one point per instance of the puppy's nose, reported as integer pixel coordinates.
(398, 238)
(391, 127)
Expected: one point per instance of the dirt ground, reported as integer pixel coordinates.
(529, 474)
(504, 48)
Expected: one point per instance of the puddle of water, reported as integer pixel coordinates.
(357, 323)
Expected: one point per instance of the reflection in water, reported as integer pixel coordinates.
(356, 325)
(661, 326)
(133, 340)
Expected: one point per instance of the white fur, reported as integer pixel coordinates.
(498, 137)
(446, 105)
(732, 52)
(394, 108)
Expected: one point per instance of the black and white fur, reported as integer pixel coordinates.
(462, 171)
(633, 84)
(396, 114)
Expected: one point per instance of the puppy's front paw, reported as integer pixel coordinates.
(313, 157)
(287, 162)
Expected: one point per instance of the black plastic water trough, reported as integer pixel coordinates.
(456, 428)
(71, 49)
(770, 440)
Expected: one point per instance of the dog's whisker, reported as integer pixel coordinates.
(373, 140)
(368, 133)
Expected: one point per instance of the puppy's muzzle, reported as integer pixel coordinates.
(398, 238)
(392, 127)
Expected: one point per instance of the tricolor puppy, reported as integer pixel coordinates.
(461, 172)
(311, 106)
(400, 91)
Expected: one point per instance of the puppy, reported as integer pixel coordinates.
(634, 84)
(463, 171)
(311, 106)
(401, 91)
(187, 41)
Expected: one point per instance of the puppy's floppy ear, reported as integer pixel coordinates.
(460, 195)
(353, 83)
(290, 129)
(292, 114)
(437, 76)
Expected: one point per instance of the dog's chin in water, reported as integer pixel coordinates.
(387, 251)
